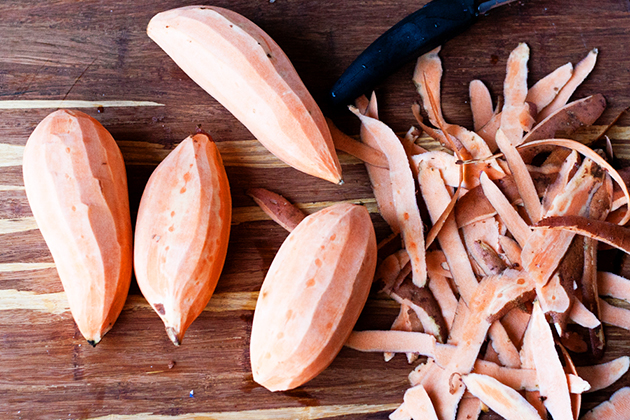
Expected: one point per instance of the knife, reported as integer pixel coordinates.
(420, 32)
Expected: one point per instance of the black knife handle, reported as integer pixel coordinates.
(418, 33)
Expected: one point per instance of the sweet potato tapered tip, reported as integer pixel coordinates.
(174, 335)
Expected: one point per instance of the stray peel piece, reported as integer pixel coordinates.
(419, 404)
(246, 71)
(617, 407)
(76, 184)
(603, 375)
(182, 233)
(502, 399)
(277, 207)
(312, 296)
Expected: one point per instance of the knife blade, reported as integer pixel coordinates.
(418, 33)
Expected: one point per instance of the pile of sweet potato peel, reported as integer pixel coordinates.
(492, 292)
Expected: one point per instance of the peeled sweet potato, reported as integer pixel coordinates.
(76, 184)
(182, 233)
(246, 71)
(312, 296)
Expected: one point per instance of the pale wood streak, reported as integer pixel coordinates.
(250, 153)
(286, 413)
(21, 224)
(57, 103)
(239, 214)
(13, 267)
(244, 153)
(56, 303)
(11, 155)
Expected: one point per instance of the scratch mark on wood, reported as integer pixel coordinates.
(32, 79)
(77, 79)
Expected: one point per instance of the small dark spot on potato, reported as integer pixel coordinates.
(159, 308)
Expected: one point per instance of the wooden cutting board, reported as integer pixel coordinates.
(95, 54)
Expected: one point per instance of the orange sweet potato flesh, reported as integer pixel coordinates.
(515, 93)
(502, 399)
(580, 72)
(426, 77)
(480, 103)
(76, 185)
(614, 285)
(551, 376)
(182, 233)
(379, 177)
(494, 296)
(312, 296)
(246, 71)
(618, 407)
(603, 375)
(546, 89)
(403, 194)
(419, 404)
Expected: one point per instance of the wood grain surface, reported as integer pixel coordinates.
(95, 55)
